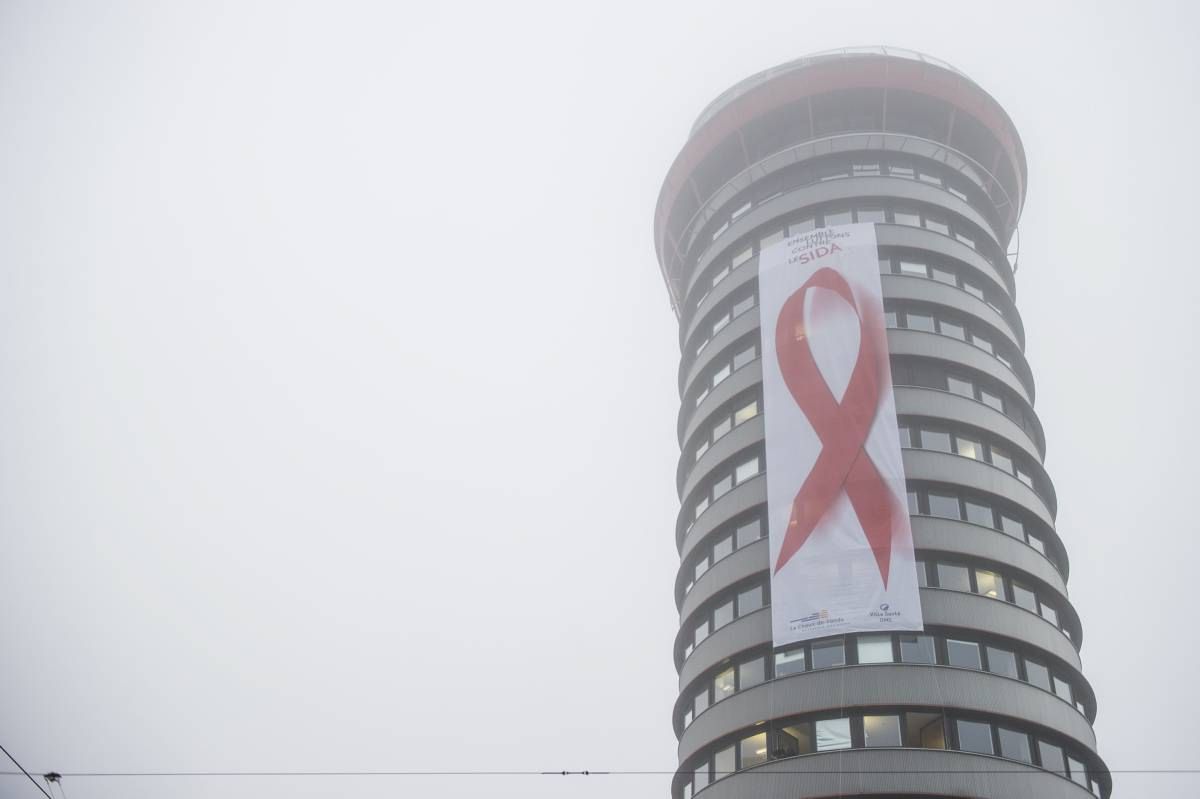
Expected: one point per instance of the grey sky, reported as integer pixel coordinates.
(337, 377)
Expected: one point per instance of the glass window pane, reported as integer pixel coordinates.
(828, 653)
(871, 215)
(962, 387)
(723, 685)
(874, 649)
(751, 673)
(1024, 597)
(913, 502)
(796, 740)
(1001, 460)
(983, 344)
(743, 305)
(802, 226)
(1001, 661)
(954, 578)
(924, 730)
(866, 168)
(720, 322)
(901, 171)
(750, 600)
(936, 440)
(916, 321)
(721, 428)
(833, 734)
(700, 778)
(1037, 674)
(965, 239)
(881, 731)
(742, 257)
(754, 750)
(891, 320)
(1050, 614)
(1012, 527)
(1078, 771)
(991, 400)
(952, 330)
(700, 703)
(1024, 477)
(937, 225)
(974, 736)
(721, 374)
(722, 548)
(722, 486)
(1014, 745)
(928, 178)
(979, 514)
(944, 276)
(789, 662)
(739, 211)
(905, 435)
(837, 218)
(687, 718)
(973, 290)
(1051, 757)
(701, 568)
(725, 762)
(747, 470)
(906, 218)
(968, 448)
(746, 412)
(916, 648)
(988, 583)
(701, 448)
(769, 239)
(701, 632)
(744, 357)
(913, 268)
(964, 654)
(942, 505)
(1063, 689)
(749, 532)
(1037, 544)
(722, 615)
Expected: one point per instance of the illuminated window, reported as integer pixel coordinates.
(723, 685)
(968, 448)
(989, 583)
(754, 750)
(925, 730)
(881, 731)
(746, 412)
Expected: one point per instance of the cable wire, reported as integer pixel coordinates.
(26, 773)
(563, 773)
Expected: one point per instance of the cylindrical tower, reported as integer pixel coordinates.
(990, 700)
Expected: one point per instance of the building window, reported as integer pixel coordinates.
(1001, 461)
(961, 387)
(838, 218)
(944, 506)
(925, 730)
(1051, 757)
(989, 583)
(875, 649)
(1025, 598)
(955, 578)
(750, 600)
(744, 357)
(750, 673)
(943, 276)
(789, 662)
(722, 615)
(916, 321)
(1012, 527)
(722, 548)
(1003, 662)
(749, 533)
(746, 412)
(746, 470)
(968, 448)
(1037, 674)
(722, 487)
(723, 685)
(872, 215)
(1014, 745)
(700, 778)
(914, 269)
(964, 654)
(1078, 771)
(725, 762)
(1049, 614)
(974, 736)
(881, 731)
(833, 734)
(700, 703)
(917, 648)
(826, 654)
(701, 632)
(754, 750)
(1063, 689)
(935, 440)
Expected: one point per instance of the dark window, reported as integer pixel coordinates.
(974, 736)
(1037, 674)
(925, 730)
(964, 654)
(1001, 661)
(826, 654)
(916, 648)
(1014, 745)
(1051, 757)
(881, 731)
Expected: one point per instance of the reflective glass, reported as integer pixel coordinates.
(750, 600)
(725, 762)
(973, 290)
(1037, 674)
(721, 374)
(746, 412)
(936, 440)
(974, 736)
(789, 662)
(979, 514)
(748, 533)
(722, 548)
(723, 685)
(941, 505)
(991, 400)
(968, 448)
(826, 654)
(1037, 544)
(1012, 526)
(1049, 614)
(1063, 689)
(750, 673)
(833, 734)
(874, 649)
(1051, 757)
(1024, 597)
(722, 615)
(964, 654)
(881, 731)
(746, 470)
(916, 321)
(962, 387)
(983, 344)
(700, 778)
(954, 578)
(1014, 745)
(952, 330)
(1001, 661)
(1001, 461)
(1078, 771)
(916, 648)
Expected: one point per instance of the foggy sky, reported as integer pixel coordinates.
(338, 379)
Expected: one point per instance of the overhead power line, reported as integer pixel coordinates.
(26, 773)
(563, 773)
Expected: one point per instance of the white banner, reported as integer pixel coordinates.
(841, 543)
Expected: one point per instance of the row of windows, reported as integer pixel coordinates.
(721, 316)
(742, 409)
(901, 213)
(734, 538)
(969, 445)
(956, 577)
(946, 324)
(923, 728)
(863, 165)
(948, 504)
(941, 270)
(880, 648)
(738, 473)
(746, 600)
(746, 351)
(928, 374)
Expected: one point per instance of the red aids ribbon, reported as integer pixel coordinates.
(842, 427)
